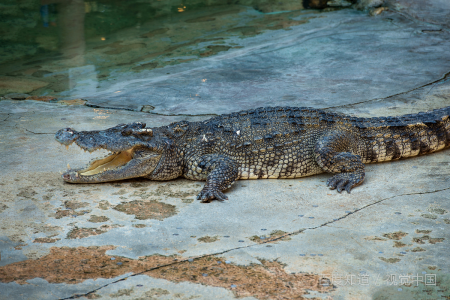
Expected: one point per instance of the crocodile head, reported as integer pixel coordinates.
(135, 152)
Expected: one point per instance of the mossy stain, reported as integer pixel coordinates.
(144, 210)
(74, 265)
(208, 239)
(395, 235)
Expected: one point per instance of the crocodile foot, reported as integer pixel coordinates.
(208, 194)
(345, 181)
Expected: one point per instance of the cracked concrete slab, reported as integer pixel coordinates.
(298, 223)
(274, 239)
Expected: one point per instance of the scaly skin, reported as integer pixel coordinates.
(272, 142)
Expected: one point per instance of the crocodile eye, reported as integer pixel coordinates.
(126, 132)
(138, 125)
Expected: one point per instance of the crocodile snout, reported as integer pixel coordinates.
(66, 136)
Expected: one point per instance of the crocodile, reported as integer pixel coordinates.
(267, 142)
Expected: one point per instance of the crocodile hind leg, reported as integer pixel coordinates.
(220, 172)
(335, 153)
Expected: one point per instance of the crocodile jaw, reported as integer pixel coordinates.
(111, 162)
(116, 166)
(131, 155)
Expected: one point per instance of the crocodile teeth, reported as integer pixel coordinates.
(76, 174)
(68, 167)
(67, 147)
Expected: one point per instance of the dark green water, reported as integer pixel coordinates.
(45, 44)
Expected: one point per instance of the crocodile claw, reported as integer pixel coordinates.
(206, 195)
(343, 181)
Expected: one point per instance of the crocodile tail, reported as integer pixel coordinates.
(389, 138)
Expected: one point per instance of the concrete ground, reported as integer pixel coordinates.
(274, 239)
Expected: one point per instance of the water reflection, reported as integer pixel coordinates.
(83, 80)
(66, 47)
(48, 13)
(71, 20)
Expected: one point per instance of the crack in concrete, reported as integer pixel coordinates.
(176, 261)
(416, 18)
(9, 115)
(150, 113)
(442, 79)
(445, 77)
(76, 296)
(35, 132)
(374, 203)
(107, 107)
(181, 115)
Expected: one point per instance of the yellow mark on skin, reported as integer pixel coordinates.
(111, 162)
(420, 124)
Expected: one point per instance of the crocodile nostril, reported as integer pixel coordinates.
(68, 131)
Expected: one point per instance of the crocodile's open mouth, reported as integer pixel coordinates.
(135, 162)
(111, 162)
(129, 157)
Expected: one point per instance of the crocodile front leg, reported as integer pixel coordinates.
(220, 172)
(336, 152)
